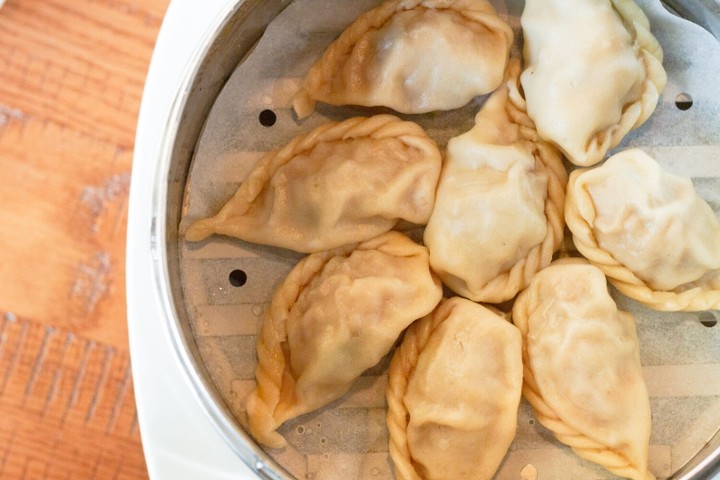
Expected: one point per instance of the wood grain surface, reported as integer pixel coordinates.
(71, 79)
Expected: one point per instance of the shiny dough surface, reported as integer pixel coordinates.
(493, 175)
(341, 183)
(335, 315)
(462, 397)
(623, 215)
(583, 359)
(407, 54)
(593, 72)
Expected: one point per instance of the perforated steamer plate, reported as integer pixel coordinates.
(235, 105)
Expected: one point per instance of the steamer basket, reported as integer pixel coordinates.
(213, 136)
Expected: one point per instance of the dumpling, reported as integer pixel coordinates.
(341, 183)
(593, 72)
(453, 392)
(647, 229)
(336, 314)
(498, 214)
(414, 56)
(582, 367)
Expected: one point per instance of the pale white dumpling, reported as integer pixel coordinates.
(583, 376)
(654, 237)
(454, 389)
(593, 72)
(414, 56)
(335, 315)
(341, 183)
(498, 211)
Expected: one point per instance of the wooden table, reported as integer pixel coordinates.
(71, 79)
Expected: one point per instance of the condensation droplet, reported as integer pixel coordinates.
(257, 310)
(528, 472)
(233, 394)
(375, 471)
(300, 429)
(323, 440)
(318, 425)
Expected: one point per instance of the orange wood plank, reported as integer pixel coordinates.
(80, 64)
(64, 208)
(64, 403)
(71, 79)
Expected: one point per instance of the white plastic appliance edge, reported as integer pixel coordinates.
(179, 441)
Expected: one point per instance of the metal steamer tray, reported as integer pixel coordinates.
(234, 104)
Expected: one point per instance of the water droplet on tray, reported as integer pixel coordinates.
(528, 472)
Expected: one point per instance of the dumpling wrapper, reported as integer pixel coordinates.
(593, 73)
(498, 214)
(453, 392)
(335, 315)
(414, 56)
(583, 376)
(648, 230)
(341, 183)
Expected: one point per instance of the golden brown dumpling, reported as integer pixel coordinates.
(498, 214)
(336, 314)
(582, 367)
(593, 72)
(453, 394)
(414, 56)
(653, 236)
(341, 183)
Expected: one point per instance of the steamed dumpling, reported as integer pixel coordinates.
(414, 56)
(582, 367)
(498, 214)
(335, 315)
(647, 229)
(341, 183)
(453, 394)
(593, 72)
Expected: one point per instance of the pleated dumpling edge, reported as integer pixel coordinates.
(623, 215)
(414, 56)
(454, 386)
(498, 215)
(582, 372)
(340, 183)
(593, 76)
(336, 314)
